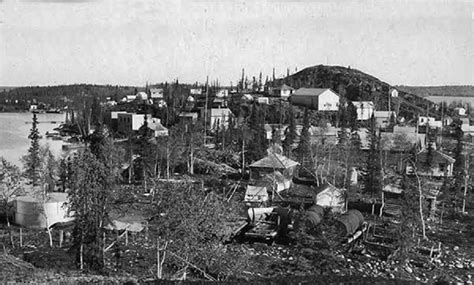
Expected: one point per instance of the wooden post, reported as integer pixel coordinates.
(126, 237)
(61, 236)
(81, 260)
(146, 231)
(442, 213)
(158, 271)
(103, 247)
(466, 178)
(21, 237)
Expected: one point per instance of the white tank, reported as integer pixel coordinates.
(33, 212)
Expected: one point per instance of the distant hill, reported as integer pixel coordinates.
(7, 88)
(454, 90)
(59, 96)
(356, 85)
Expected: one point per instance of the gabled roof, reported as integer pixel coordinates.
(359, 104)
(285, 87)
(275, 161)
(383, 114)
(436, 156)
(311, 91)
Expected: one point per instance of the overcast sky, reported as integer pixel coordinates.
(49, 42)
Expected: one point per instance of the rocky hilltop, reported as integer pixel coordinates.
(356, 85)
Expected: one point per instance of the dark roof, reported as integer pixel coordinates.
(275, 161)
(285, 87)
(311, 91)
(436, 156)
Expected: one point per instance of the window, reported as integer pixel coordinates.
(442, 167)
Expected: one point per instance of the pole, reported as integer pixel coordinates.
(205, 109)
(466, 178)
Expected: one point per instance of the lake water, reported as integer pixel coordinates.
(14, 131)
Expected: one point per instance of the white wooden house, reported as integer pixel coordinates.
(320, 99)
(365, 109)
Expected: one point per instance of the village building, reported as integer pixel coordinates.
(141, 96)
(322, 136)
(283, 91)
(129, 98)
(131, 122)
(425, 121)
(114, 119)
(325, 195)
(188, 117)
(460, 111)
(432, 163)
(195, 91)
(156, 94)
(383, 118)
(256, 194)
(246, 98)
(447, 121)
(158, 129)
(402, 139)
(222, 93)
(365, 109)
(271, 163)
(217, 118)
(320, 99)
(328, 195)
(466, 127)
(219, 102)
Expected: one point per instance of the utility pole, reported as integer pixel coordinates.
(205, 109)
(466, 178)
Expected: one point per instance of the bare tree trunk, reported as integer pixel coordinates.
(243, 155)
(81, 256)
(167, 160)
(466, 178)
(420, 201)
(191, 157)
(130, 168)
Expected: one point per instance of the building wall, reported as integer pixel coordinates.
(328, 101)
(365, 111)
(435, 171)
(129, 122)
(285, 93)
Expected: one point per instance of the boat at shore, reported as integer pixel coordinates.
(54, 111)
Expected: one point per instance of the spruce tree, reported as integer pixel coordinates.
(258, 145)
(372, 176)
(32, 159)
(290, 134)
(458, 169)
(303, 151)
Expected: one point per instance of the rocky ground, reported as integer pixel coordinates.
(34, 261)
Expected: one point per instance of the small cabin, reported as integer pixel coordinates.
(433, 163)
(256, 194)
(272, 163)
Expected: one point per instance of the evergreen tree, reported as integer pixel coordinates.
(372, 176)
(303, 151)
(458, 170)
(32, 159)
(96, 112)
(258, 145)
(342, 135)
(290, 133)
(351, 117)
(89, 200)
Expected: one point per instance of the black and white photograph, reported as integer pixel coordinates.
(236, 142)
